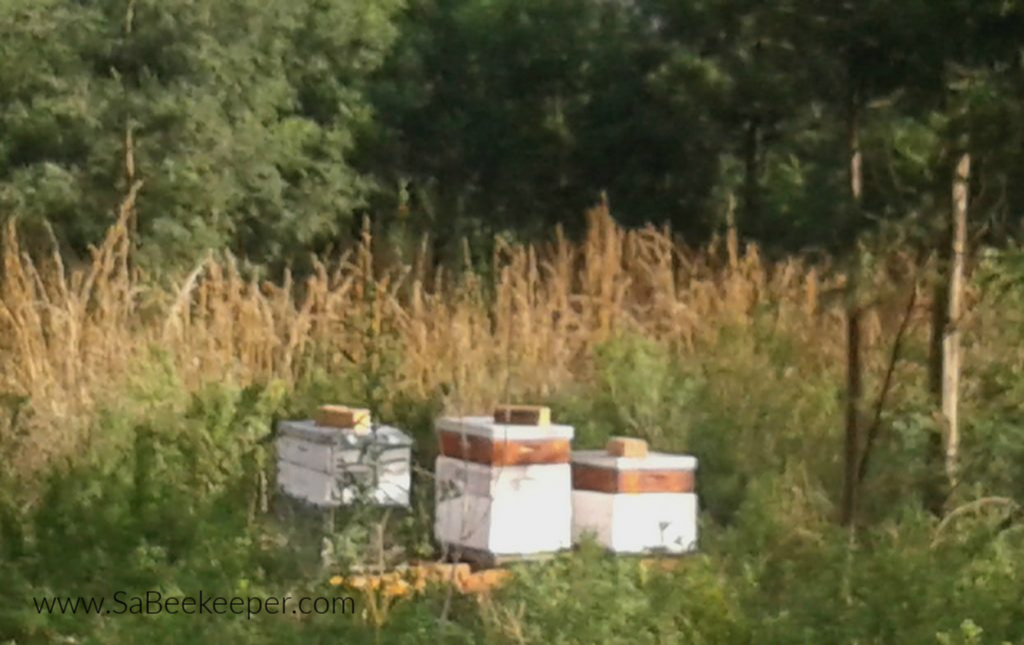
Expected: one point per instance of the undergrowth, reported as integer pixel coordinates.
(149, 466)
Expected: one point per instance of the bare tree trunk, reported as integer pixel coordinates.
(751, 182)
(951, 338)
(732, 234)
(129, 143)
(934, 497)
(853, 396)
(876, 425)
(854, 367)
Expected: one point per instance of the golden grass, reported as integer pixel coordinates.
(68, 335)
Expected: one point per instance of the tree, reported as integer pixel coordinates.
(243, 116)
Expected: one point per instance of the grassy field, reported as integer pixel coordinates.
(133, 413)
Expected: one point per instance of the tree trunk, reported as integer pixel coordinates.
(854, 367)
(951, 337)
(732, 237)
(129, 145)
(751, 183)
(853, 395)
(934, 497)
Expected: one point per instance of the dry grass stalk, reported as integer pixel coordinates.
(67, 336)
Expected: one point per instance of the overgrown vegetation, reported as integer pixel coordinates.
(219, 213)
(146, 467)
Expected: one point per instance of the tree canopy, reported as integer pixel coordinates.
(271, 127)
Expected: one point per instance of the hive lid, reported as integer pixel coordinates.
(308, 430)
(488, 428)
(653, 461)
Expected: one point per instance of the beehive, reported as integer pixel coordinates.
(645, 503)
(504, 489)
(334, 466)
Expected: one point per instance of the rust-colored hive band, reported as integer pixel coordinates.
(608, 480)
(503, 453)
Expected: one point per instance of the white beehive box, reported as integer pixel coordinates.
(327, 466)
(503, 489)
(637, 504)
(510, 510)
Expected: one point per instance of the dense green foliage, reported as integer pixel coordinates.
(269, 127)
(242, 118)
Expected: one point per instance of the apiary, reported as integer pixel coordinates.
(504, 484)
(339, 459)
(634, 501)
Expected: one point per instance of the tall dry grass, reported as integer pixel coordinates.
(68, 335)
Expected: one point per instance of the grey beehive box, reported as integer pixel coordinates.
(327, 466)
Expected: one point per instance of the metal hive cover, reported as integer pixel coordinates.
(653, 461)
(487, 428)
(308, 430)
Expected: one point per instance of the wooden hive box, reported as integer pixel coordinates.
(635, 504)
(513, 436)
(503, 489)
(331, 466)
